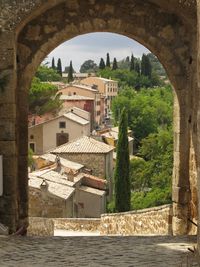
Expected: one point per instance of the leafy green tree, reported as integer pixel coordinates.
(70, 73)
(121, 175)
(115, 66)
(151, 176)
(88, 66)
(59, 67)
(102, 64)
(53, 64)
(45, 74)
(147, 110)
(43, 98)
(132, 66)
(108, 60)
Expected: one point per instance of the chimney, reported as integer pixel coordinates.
(70, 176)
(58, 164)
(44, 186)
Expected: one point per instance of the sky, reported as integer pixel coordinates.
(94, 46)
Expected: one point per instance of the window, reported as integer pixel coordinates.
(32, 146)
(98, 103)
(74, 93)
(62, 124)
(98, 113)
(31, 136)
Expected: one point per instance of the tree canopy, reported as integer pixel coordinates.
(43, 98)
(102, 64)
(107, 60)
(70, 73)
(132, 66)
(59, 67)
(45, 74)
(88, 66)
(115, 66)
(147, 110)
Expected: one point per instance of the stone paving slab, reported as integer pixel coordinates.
(96, 251)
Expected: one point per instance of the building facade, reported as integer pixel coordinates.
(86, 91)
(62, 129)
(107, 87)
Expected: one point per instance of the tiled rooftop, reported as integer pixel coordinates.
(75, 97)
(63, 190)
(92, 190)
(64, 162)
(76, 118)
(84, 144)
(114, 135)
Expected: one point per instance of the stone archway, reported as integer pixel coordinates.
(165, 27)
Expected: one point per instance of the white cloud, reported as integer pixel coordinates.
(94, 46)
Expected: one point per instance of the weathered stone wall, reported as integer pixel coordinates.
(77, 224)
(197, 108)
(193, 215)
(40, 227)
(95, 162)
(44, 204)
(153, 221)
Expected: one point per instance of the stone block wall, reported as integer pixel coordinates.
(40, 227)
(153, 221)
(95, 162)
(193, 189)
(45, 204)
(77, 224)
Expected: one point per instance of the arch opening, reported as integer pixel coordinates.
(163, 32)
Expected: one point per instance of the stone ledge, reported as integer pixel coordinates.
(40, 226)
(159, 208)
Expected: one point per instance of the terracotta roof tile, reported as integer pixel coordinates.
(84, 144)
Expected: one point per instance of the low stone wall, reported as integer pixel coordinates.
(40, 226)
(77, 224)
(153, 221)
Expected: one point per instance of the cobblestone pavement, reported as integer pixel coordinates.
(96, 251)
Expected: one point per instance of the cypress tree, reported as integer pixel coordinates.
(149, 67)
(127, 59)
(132, 66)
(146, 68)
(53, 64)
(59, 67)
(102, 64)
(137, 67)
(121, 175)
(70, 73)
(115, 66)
(108, 60)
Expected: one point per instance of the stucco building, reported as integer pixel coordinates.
(94, 155)
(110, 137)
(55, 194)
(57, 131)
(87, 91)
(81, 102)
(107, 87)
(50, 195)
